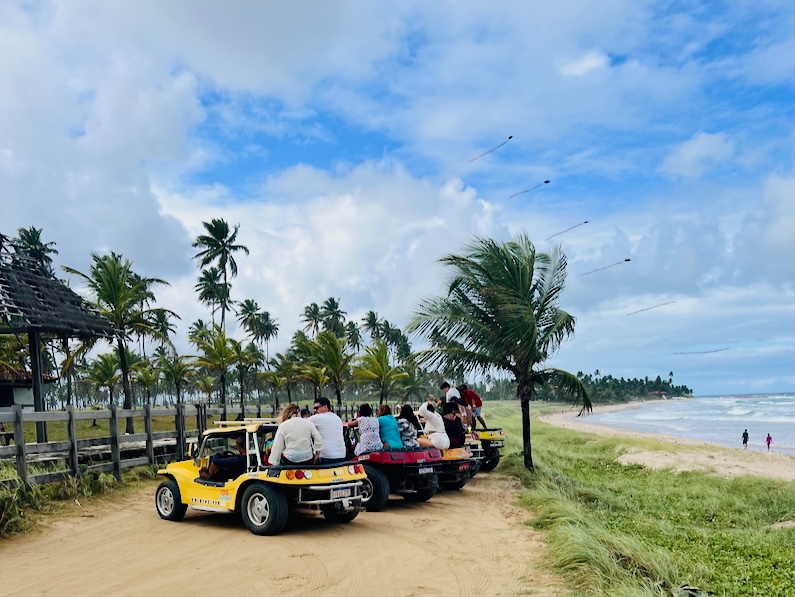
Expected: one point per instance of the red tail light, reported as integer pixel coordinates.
(299, 474)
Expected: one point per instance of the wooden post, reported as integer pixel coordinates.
(115, 452)
(34, 348)
(19, 440)
(179, 421)
(150, 446)
(71, 433)
(259, 410)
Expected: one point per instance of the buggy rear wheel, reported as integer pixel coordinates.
(263, 509)
(375, 489)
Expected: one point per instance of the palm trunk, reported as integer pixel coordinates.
(525, 393)
(242, 399)
(339, 397)
(125, 381)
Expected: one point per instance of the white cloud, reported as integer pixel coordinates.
(593, 60)
(123, 123)
(691, 158)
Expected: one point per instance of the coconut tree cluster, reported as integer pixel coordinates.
(500, 314)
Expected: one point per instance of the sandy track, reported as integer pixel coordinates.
(467, 543)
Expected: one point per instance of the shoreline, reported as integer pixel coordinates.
(690, 454)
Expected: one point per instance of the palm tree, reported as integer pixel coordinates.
(218, 355)
(327, 351)
(284, 366)
(501, 312)
(353, 336)
(317, 375)
(206, 385)
(245, 358)
(312, 318)
(374, 368)
(28, 244)
(160, 319)
(146, 376)
(218, 246)
(212, 291)
(247, 313)
(177, 371)
(333, 317)
(277, 382)
(372, 325)
(104, 372)
(198, 329)
(265, 329)
(121, 297)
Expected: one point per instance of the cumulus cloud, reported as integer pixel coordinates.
(693, 157)
(340, 137)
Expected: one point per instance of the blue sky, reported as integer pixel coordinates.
(339, 136)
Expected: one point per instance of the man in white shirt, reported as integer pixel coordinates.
(449, 393)
(329, 425)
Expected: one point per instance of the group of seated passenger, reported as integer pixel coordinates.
(320, 438)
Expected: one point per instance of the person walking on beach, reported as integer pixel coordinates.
(745, 439)
(768, 441)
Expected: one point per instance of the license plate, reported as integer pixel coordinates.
(463, 467)
(340, 493)
(425, 470)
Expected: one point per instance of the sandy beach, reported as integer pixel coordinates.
(680, 453)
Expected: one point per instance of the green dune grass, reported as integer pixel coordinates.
(629, 530)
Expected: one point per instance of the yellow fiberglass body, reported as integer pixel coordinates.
(262, 494)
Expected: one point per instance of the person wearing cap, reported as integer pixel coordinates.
(329, 426)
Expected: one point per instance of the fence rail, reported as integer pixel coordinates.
(114, 452)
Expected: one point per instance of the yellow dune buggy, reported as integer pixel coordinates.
(263, 495)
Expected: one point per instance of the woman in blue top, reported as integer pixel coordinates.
(390, 432)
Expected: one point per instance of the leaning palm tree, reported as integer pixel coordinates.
(218, 246)
(121, 296)
(501, 312)
(374, 369)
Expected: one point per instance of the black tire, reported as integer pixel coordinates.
(263, 509)
(491, 460)
(340, 516)
(455, 485)
(424, 494)
(375, 489)
(168, 501)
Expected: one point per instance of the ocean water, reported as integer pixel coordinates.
(718, 419)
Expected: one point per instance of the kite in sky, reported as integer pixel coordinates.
(492, 149)
(704, 351)
(540, 184)
(567, 229)
(599, 269)
(650, 308)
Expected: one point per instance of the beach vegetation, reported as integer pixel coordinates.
(501, 312)
(617, 529)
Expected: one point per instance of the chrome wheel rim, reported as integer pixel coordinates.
(165, 501)
(258, 509)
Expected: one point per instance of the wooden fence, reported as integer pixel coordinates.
(116, 451)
